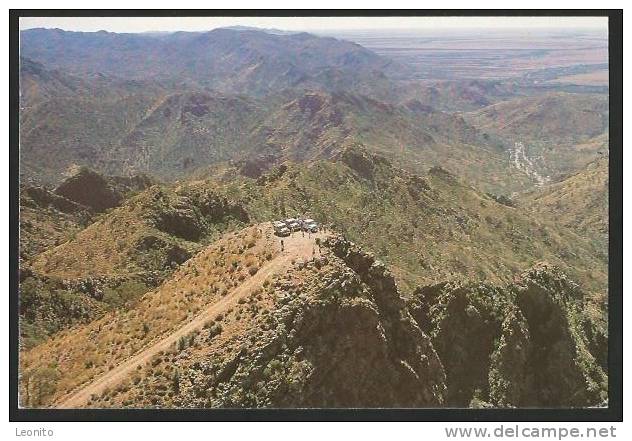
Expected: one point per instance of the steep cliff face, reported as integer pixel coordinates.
(416, 371)
(464, 323)
(526, 344)
(568, 348)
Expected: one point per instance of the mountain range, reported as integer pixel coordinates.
(227, 60)
(461, 259)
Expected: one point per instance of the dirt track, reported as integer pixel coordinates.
(296, 246)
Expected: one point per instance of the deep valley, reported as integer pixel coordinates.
(458, 192)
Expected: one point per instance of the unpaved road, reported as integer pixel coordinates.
(296, 246)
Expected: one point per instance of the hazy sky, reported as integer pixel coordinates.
(143, 24)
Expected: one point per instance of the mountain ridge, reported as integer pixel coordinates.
(460, 254)
(264, 334)
(224, 56)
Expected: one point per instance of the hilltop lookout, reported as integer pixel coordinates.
(285, 227)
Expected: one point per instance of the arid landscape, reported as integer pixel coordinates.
(263, 218)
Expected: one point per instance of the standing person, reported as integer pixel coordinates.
(282, 247)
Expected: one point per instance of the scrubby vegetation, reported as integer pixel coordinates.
(338, 334)
(98, 346)
(439, 198)
(428, 228)
(578, 202)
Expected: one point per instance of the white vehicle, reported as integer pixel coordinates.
(310, 225)
(283, 232)
(280, 229)
(293, 224)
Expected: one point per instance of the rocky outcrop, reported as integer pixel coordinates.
(181, 220)
(36, 196)
(91, 189)
(509, 374)
(190, 214)
(464, 322)
(99, 192)
(562, 367)
(409, 350)
(529, 344)
(359, 160)
(256, 165)
(342, 338)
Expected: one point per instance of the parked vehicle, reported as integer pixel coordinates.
(312, 228)
(280, 229)
(282, 232)
(293, 224)
(285, 227)
(309, 225)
